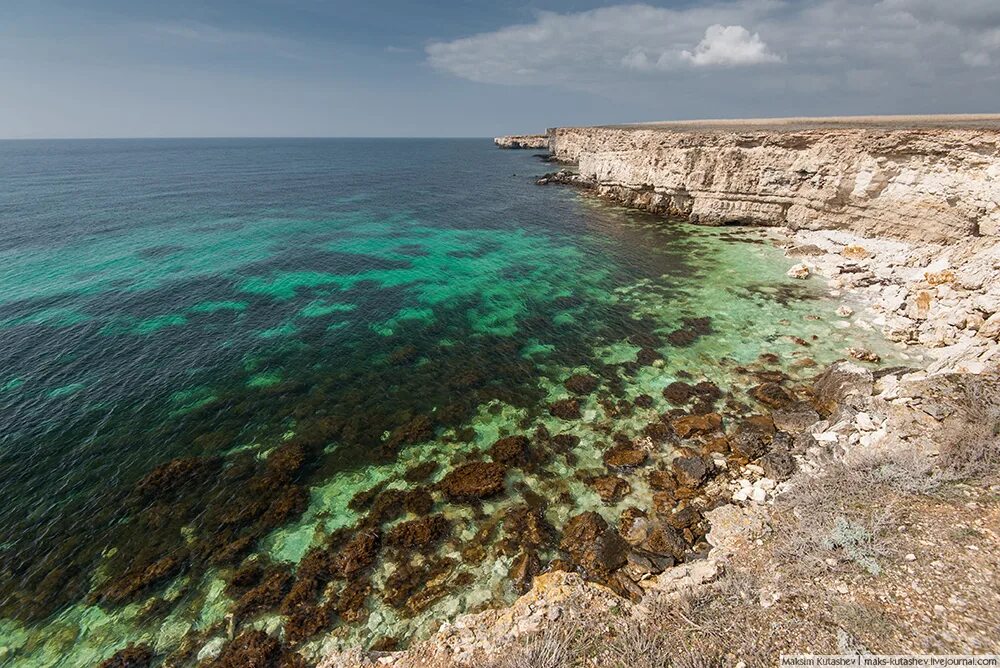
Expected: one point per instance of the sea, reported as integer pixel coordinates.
(230, 368)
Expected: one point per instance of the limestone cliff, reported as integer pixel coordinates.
(522, 141)
(931, 179)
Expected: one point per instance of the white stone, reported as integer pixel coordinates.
(211, 649)
(845, 311)
(758, 495)
(801, 270)
(990, 329)
(864, 421)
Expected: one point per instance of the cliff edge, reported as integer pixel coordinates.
(931, 178)
(522, 141)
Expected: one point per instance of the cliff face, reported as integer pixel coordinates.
(522, 141)
(924, 184)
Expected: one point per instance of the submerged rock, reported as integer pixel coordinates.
(644, 401)
(523, 570)
(691, 425)
(174, 475)
(307, 620)
(565, 409)
(525, 526)
(267, 595)
(140, 578)
(678, 393)
(133, 656)
(565, 443)
(752, 437)
(581, 383)
(662, 480)
(691, 330)
(648, 357)
(421, 471)
(611, 488)
(417, 430)
(411, 587)
(772, 395)
(657, 431)
(593, 545)
(351, 600)
(689, 470)
(418, 534)
(510, 450)
(476, 480)
(625, 457)
(358, 553)
(251, 648)
(418, 501)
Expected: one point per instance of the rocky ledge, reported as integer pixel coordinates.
(522, 141)
(934, 179)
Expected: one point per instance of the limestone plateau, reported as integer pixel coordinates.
(931, 178)
(522, 141)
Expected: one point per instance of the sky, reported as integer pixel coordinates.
(195, 68)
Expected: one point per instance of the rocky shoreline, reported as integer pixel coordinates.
(925, 265)
(522, 142)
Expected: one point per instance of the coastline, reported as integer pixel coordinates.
(937, 289)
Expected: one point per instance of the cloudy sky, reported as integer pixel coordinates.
(127, 68)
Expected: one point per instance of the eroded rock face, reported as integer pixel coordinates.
(795, 418)
(843, 383)
(522, 141)
(873, 181)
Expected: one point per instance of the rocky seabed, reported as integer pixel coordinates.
(903, 222)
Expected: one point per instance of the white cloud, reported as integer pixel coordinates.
(775, 43)
(977, 58)
(587, 45)
(730, 46)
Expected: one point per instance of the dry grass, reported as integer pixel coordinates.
(971, 450)
(561, 644)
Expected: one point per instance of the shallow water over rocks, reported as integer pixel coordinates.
(389, 386)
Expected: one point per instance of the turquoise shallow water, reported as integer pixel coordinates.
(299, 321)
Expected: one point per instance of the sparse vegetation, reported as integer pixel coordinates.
(557, 645)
